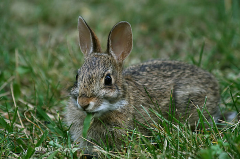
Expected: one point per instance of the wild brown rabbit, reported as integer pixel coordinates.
(116, 98)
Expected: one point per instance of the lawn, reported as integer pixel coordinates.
(39, 57)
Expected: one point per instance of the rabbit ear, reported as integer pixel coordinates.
(88, 41)
(120, 41)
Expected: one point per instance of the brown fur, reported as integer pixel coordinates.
(125, 98)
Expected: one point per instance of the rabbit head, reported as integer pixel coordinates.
(99, 87)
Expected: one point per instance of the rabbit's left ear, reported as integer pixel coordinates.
(88, 41)
(120, 41)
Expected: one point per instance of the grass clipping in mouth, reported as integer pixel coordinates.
(86, 124)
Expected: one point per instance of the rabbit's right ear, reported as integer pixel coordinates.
(88, 41)
(120, 41)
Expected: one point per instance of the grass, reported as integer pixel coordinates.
(39, 55)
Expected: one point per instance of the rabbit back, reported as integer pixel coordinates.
(155, 82)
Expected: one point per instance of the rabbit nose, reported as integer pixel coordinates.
(84, 102)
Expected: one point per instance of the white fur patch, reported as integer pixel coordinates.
(106, 106)
(91, 105)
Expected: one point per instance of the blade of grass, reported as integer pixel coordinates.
(201, 53)
(233, 100)
(43, 137)
(86, 124)
(52, 155)
(14, 117)
(30, 152)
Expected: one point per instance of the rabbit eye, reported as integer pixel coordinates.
(108, 80)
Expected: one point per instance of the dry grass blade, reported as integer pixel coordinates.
(4, 94)
(4, 84)
(32, 121)
(25, 131)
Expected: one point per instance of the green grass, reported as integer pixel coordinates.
(39, 56)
